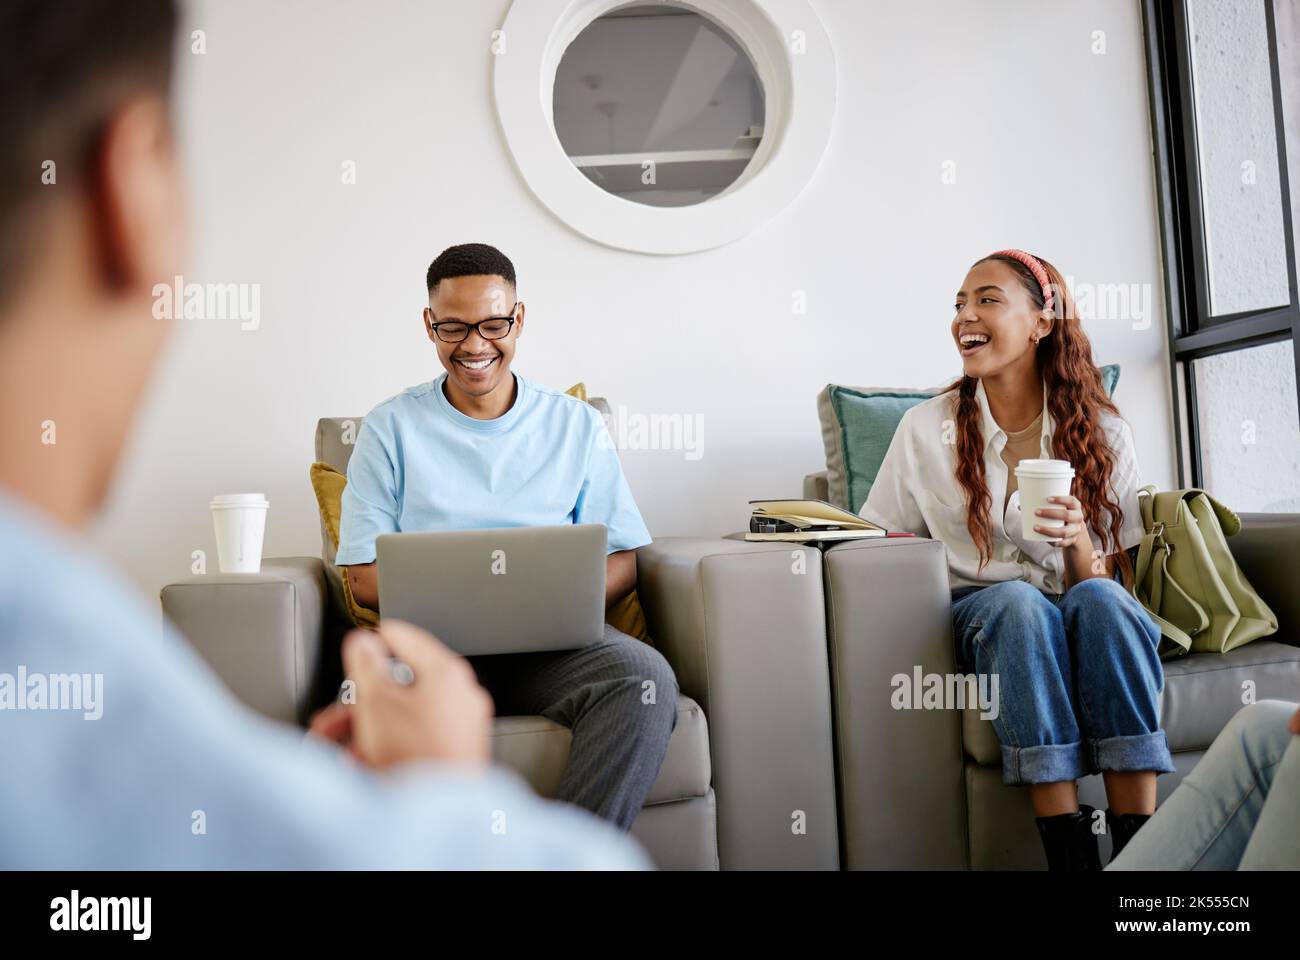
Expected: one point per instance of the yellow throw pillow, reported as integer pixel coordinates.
(626, 616)
(328, 484)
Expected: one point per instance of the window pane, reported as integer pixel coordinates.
(1236, 141)
(658, 105)
(1250, 428)
(1286, 17)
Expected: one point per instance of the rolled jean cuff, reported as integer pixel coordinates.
(1045, 763)
(1143, 752)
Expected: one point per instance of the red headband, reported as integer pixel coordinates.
(1035, 267)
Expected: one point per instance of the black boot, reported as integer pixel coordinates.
(1069, 841)
(1122, 826)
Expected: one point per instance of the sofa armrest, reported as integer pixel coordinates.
(902, 794)
(261, 632)
(1268, 551)
(743, 625)
(816, 486)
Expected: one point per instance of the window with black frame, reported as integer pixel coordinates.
(1225, 102)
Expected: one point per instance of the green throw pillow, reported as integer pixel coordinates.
(1110, 377)
(858, 424)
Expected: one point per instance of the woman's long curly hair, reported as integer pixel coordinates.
(1075, 399)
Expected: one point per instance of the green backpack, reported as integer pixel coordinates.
(1188, 581)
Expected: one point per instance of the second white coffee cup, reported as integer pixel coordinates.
(240, 522)
(1037, 480)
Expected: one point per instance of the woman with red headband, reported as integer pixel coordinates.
(1075, 654)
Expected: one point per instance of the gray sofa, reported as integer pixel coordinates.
(748, 781)
(788, 753)
(936, 775)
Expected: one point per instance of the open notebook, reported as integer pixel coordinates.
(801, 521)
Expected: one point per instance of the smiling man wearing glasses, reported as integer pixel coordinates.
(482, 447)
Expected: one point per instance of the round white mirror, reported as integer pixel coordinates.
(665, 128)
(658, 105)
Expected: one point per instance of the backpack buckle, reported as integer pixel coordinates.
(1158, 535)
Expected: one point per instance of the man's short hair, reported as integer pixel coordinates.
(470, 260)
(65, 66)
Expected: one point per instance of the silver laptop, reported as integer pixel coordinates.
(512, 590)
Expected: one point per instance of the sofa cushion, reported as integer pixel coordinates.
(537, 749)
(979, 740)
(858, 424)
(1202, 693)
(1204, 690)
(681, 835)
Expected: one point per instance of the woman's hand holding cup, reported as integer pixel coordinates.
(1069, 510)
(1044, 484)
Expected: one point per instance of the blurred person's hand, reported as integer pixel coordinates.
(1294, 725)
(443, 715)
(333, 723)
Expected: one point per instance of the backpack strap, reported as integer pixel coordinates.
(1146, 503)
(1150, 572)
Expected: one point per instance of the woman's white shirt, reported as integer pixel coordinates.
(917, 491)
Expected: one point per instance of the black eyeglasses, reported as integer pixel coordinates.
(493, 328)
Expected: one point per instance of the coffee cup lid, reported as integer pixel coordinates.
(239, 500)
(1044, 468)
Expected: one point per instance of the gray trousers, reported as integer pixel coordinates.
(618, 696)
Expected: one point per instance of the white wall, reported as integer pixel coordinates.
(1052, 151)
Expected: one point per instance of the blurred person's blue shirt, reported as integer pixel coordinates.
(420, 464)
(175, 773)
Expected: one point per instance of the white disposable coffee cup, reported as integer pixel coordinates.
(240, 522)
(1037, 480)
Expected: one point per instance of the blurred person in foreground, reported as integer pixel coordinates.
(116, 739)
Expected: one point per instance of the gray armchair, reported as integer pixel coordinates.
(936, 775)
(748, 780)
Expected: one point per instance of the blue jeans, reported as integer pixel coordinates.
(1078, 677)
(1239, 808)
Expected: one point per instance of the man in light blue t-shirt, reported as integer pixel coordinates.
(483, 447)
(120, 749)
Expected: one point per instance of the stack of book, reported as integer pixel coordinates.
(806, 521)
